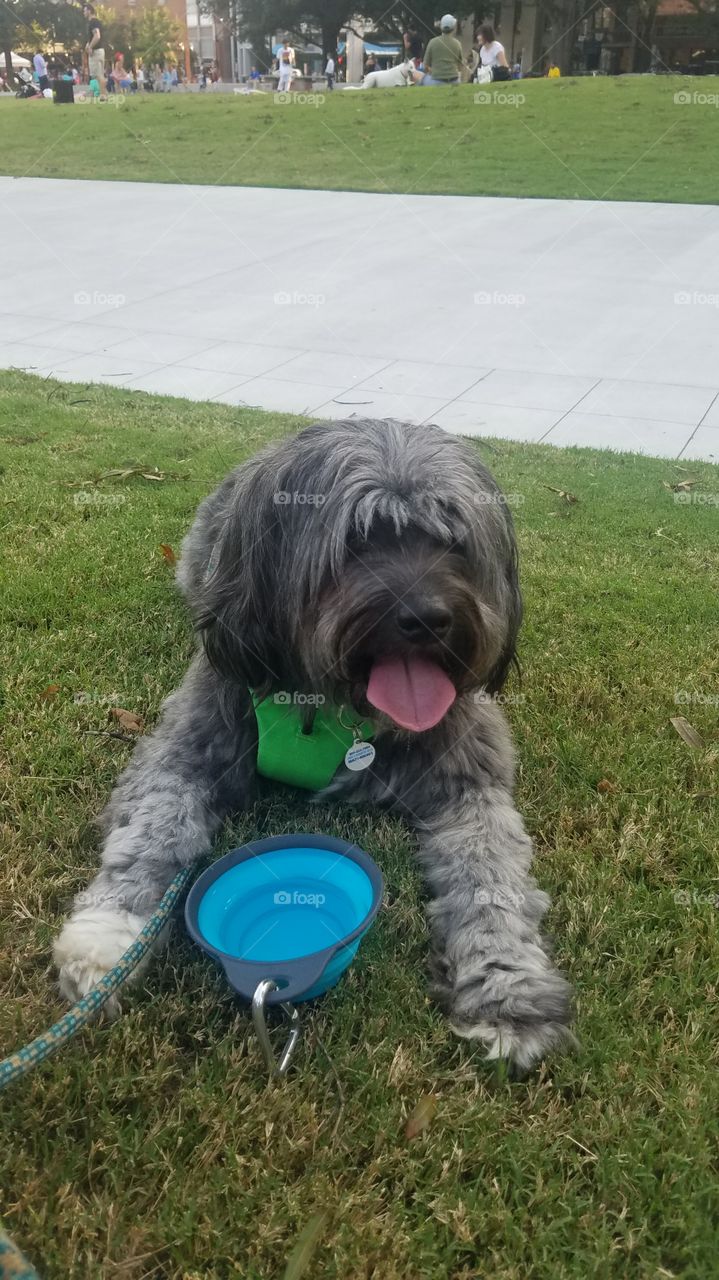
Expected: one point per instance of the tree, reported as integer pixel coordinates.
(15, 20)
(154, 36)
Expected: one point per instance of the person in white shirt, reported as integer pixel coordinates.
(493, 63)
(40, 66)
(330, 72)
(286, 62)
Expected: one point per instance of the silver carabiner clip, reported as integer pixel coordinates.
(276, 1068)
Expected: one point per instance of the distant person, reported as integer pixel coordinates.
(166, 80)
(140, 77)
(174, 80)
(443, 57)
(517, 71)
(493, 63)
(255, 75)
(202, 78)
(120, 74)
(40, 66)
(412, 47)
(285, 62)
(553, 73)
(371, 65)
(330, 72)
(94, 47)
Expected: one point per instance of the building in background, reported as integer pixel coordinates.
(210, 40)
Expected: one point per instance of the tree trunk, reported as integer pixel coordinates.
(7, 51)
(330, 38)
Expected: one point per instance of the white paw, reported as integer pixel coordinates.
(89, 946)
(521, 1046)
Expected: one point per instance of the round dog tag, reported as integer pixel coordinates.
(360, 756)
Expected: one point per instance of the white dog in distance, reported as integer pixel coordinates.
(392, 78)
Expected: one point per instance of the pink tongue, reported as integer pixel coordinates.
(412, 691)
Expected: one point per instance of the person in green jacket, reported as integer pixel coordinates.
(443, 56)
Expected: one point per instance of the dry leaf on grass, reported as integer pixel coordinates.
(687, 732)
(168, 553)
(50, 692)
(422, 1116)
(128, 719)
(605, 787)
(124, 473)
(681, 486)
(564, 494)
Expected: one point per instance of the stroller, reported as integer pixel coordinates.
(27, 87)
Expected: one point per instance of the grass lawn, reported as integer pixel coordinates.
(154, 1148)
(624, 139)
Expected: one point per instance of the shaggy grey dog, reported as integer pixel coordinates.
(372, 564)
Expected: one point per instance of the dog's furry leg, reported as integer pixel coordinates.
(180, 784)
(493, 972)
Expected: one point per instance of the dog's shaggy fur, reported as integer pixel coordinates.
(350, 544)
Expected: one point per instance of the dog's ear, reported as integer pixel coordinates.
(495, 529)
(237, 604)
(512, 612)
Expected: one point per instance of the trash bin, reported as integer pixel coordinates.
(63, 91)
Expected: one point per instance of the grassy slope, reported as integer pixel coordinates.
(153, 1148)
(619, 138)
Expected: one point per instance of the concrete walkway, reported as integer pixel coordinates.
(567, 322)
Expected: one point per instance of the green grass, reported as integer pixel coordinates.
(153, 1148)
(624, 139)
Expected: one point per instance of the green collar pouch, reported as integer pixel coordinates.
(309, 760)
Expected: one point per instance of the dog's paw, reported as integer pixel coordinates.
(89, 946)
(518, 1014)
(522, 1047)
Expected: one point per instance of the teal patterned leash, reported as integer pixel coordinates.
(13, 1264)
(18, 1064)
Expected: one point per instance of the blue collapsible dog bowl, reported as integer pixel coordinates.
(292, 909)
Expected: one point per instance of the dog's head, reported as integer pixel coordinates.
(371, 562)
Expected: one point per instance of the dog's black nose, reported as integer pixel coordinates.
(423, 620)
